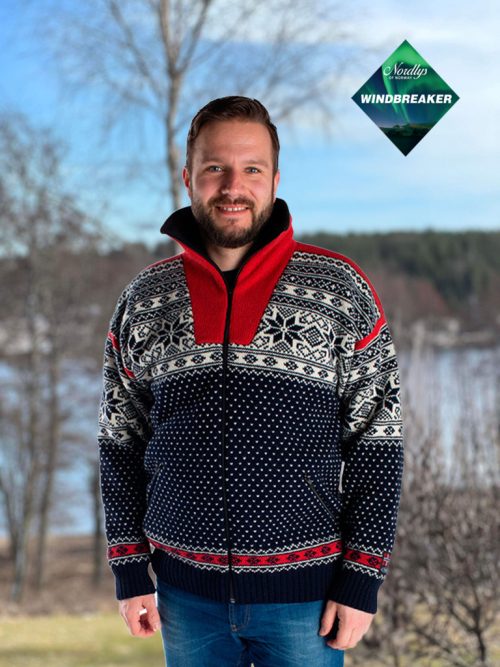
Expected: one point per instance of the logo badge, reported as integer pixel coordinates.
(405, 97)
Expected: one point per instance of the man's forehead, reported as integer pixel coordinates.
(232, 125)
(222, 131)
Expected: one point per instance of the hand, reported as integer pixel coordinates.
(353, 624)
(140, 625)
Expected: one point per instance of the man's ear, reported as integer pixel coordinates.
(276, 179)
(187, 180)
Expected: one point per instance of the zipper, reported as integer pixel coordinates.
(225, 349)
(313, 488)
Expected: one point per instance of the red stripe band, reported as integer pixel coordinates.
(129, 549)
(252, 560)
(368, 559)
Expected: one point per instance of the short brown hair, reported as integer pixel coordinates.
(232, 107)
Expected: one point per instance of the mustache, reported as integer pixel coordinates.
(223, 201)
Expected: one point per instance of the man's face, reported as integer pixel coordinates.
(231, 183)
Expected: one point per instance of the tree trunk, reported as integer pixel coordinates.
(31, 450)
(20, 565)
(50, 464)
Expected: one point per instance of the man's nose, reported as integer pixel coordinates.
(231, 183)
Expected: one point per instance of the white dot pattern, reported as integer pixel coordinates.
(282, 465)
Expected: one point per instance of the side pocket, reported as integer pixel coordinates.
(313, 488)
(150, 492)
(152, 483)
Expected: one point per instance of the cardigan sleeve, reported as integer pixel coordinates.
(123, 433)
(372, 446)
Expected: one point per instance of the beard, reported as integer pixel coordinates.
(230, 238)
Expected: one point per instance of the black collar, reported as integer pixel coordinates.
(183, 227)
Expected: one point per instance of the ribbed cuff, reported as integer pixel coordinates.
(355, 590)
(132, 579)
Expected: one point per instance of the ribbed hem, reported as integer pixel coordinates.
(355, 590)
(303, 584)
(132, 579)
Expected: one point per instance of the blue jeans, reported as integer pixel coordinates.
(199, 632)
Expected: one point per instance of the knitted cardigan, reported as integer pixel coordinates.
(250, 438)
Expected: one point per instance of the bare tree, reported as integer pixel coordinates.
(461, 569)
(153, 63)
(44, 243)
(449, 533)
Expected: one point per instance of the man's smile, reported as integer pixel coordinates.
(232, 209)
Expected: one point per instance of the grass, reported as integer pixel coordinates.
(100, 640)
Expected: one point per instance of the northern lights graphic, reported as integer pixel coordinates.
(405, 97)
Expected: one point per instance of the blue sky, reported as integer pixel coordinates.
(354, 179)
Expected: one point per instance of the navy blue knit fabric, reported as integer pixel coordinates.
(298, 500)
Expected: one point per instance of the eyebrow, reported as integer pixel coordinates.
(263, 163)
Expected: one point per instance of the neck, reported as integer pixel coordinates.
(227, 259)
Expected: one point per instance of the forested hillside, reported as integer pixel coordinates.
(429, 275)
(446, 283)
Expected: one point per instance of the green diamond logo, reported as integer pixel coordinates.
(405, 97)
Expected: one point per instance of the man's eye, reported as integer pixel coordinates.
(214, 167)
(253, 170)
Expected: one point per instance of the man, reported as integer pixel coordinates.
(250, 424)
